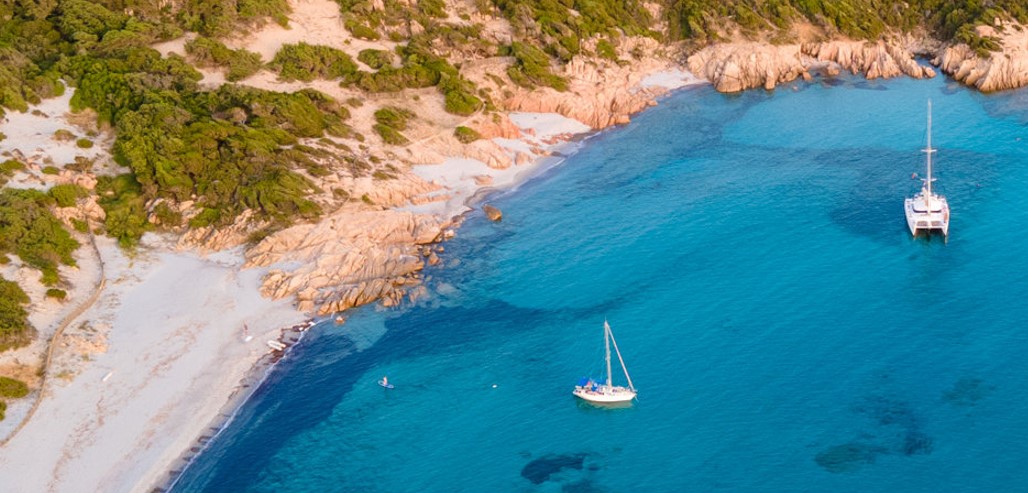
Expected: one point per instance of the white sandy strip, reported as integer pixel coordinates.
(672, 79)
(175, 355)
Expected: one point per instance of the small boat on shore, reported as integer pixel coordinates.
(927, 211)
(606, 392)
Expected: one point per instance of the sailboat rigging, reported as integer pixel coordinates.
(607, 392)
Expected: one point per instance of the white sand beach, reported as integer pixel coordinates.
(117, 419)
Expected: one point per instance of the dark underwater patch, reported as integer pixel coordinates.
(967, 392)
(848, 457)
(916, 443)
(539, 470)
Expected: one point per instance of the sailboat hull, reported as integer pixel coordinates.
(604, 394)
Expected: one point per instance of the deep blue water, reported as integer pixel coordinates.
(750, 252)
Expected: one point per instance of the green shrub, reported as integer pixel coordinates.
(3, 410)
(66, 194)
(308, 62)
(29, 230)
(79, 225)
(63, 135)
(166, 216)
(13, 389)
(532, 67)
(51, 170)
(15, 329)
(466, 135)
(606, 50)
(433, 8)
(209, 52)
(375, 59)
(360, 30)
(57, 294)
(121, 198)
(393, 117)
(84, 143)
(390, 135)
(10, 166)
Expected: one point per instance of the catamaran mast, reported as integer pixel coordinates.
(929, 151)
(606, 343)
(620, 360)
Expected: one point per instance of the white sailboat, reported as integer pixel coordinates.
(606, 393)
(926, 211)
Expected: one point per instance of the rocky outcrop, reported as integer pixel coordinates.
(883, 60)
(347, 259)
(601, 93)
(1007, 69)
(734, 67)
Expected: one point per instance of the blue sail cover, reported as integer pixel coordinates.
(582, 382)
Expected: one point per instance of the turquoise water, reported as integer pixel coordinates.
(750, 252)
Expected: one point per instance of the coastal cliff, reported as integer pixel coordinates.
(998, 71)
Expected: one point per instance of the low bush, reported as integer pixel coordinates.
(466, 135)
(209, 52)
(13, 389)
(307, 62)
(57, 294)
(66, 194)
(15, 329)
(393, 117)
(390, 135)
(84, 143)
(375, 59)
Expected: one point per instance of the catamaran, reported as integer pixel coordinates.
(926, 211)
(606, 393)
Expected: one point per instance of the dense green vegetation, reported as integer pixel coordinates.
(207, 52)
(29, 230)
(308, 62)
(705, 20)
(15, 329)
(553, 25)
(219, 17)
(13, 389)
(532, 67)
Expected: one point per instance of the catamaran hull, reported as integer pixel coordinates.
(604, 396)
(927, 222)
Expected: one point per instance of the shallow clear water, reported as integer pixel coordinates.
(751, 254)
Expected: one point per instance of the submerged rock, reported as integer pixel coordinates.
(492, 213)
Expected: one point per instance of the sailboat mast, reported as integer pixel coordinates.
(620, 360)
(606, 343)
(929, 151)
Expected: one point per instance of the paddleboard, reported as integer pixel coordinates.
(386, 385)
